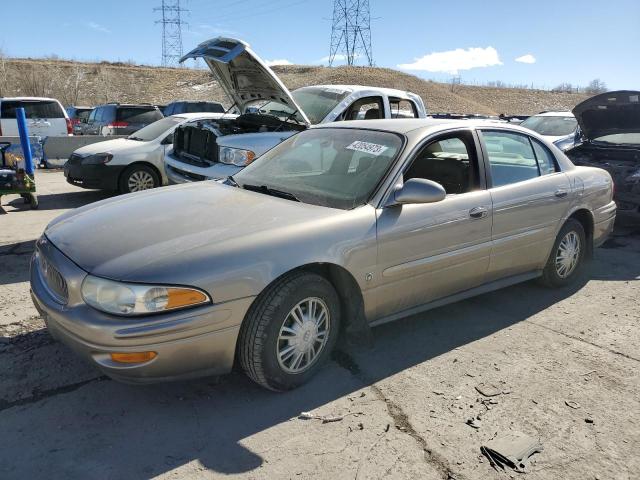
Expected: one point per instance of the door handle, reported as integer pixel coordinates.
(561, 193)
(478, 212)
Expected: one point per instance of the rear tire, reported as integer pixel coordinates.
(566, 260)
(289, 331)
(137, 178)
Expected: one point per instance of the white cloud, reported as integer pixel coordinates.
(97, 27)
(528, 58)
(279, 61)
(452, 61)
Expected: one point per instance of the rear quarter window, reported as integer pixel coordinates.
(32, 109)
(138, 115)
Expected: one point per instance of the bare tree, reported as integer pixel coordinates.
(564, 88)
(4, 75)
(595, 87)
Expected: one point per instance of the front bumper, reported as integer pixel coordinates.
(181, 172)
(103, 177)
(189, 343)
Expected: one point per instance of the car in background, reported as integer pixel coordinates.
(120, 118)
(610, 127)
(78, 117)
(45, 117)
(341, 227)
(560, 128)
(174, 108)
(128, 164)
(269, 112)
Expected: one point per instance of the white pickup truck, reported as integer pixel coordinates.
(269, 113)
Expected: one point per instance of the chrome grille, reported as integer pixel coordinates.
(55, 282)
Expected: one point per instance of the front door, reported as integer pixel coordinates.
(430, 251)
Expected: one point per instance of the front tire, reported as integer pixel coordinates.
(137, 178)
(566, 260)
(290, 331)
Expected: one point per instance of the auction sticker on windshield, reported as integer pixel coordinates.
(366, 147)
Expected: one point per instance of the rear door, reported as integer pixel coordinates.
(430, 251)
(44, 117)
(530, 197)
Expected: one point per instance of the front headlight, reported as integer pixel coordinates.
(236, 156)
(97, 159)
(133, 299)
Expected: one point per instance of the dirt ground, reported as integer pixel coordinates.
(406, 400)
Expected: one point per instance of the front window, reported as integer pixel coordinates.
(337, 168)
(154, 130)
(551, 126)
(316, 102)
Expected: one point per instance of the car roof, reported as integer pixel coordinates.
(390, 92)
(554, 114)
(46, 99)
(404, 126)
(197, 115)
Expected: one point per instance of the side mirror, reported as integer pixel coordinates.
(168, 140)
(419, 190)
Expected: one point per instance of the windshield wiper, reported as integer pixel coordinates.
(136, 138)
(271, 191)
(231, 181)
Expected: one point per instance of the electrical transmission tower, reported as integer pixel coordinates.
(351, 31)
(171, 31)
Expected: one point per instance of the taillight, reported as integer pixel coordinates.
(69, 127)
(118, 124)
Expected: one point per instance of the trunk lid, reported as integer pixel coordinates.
(609, 114)
(243, 75)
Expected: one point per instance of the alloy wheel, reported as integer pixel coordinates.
(140, 180)
(568, 254)
(303, 335)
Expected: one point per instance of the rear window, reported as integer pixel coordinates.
(138, 114)
(197, 107)
(32, 109)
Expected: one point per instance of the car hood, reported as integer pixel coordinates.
(115, 146)
(126, 237)
(242, 74)
(609, 113)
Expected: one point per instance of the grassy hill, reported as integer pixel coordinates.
(93, 83)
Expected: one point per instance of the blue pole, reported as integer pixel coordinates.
(24, 140)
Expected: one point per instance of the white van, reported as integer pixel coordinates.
(45, 117)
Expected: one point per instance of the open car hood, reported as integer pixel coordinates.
(609, 113)
(242, 74)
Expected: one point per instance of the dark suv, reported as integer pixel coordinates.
(175, 108)
(120, 118)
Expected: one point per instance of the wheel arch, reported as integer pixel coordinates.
(585, 217)
(140, 162)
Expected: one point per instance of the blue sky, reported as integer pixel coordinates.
(556, 41)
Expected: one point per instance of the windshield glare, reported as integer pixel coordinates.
(551, 126)
(155, 129)
(318, 102)
(332, 167)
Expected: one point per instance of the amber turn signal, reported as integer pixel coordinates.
(133, 357)
(181, 297)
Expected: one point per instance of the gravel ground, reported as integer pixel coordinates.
(405, 400)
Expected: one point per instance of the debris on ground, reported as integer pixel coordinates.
(488, 389)
(326, 418)
(572, 404)
(511, 450)
(473, 422)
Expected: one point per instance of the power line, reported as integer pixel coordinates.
(351, 31)
(172, 23)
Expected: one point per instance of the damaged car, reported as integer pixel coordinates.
(610, 125)
(269, 112)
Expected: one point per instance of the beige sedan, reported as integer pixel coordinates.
(339, 228)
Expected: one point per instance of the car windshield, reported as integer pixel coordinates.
(551, 126)
(620, 139)
(317, 102)
(332, 167)
(155, 129)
